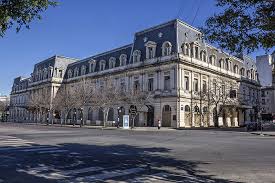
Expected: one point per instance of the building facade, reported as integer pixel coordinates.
(173, 62)
(265, 65)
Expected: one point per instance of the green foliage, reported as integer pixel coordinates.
(243, 26)
(20, 13)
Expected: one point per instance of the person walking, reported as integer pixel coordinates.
(159, 124)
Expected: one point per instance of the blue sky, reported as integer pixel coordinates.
(83, 28)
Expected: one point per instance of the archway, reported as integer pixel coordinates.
(166, 116)
(205, 116)
(111, 114)
(90, 114)
(100, 115)
(121, 112)
(150, 116)
(187, 116)
(197, 119)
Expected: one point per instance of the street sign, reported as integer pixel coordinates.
(126, 121)
(133, 110)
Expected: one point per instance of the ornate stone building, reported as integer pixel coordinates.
(171, 60)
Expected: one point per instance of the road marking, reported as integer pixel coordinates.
(108, 175)
(53, 151)
(13, 142)
(58, 174)
(157, 177)
(39, 149)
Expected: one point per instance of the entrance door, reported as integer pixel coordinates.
(166, 116)
(150, 116)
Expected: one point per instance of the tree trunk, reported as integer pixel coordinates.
(106, 112)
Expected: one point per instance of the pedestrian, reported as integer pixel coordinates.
(159, 124)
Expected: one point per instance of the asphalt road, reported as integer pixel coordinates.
(45, 154)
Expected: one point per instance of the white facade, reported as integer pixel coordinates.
(175, 71)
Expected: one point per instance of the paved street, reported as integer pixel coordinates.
(45, 154)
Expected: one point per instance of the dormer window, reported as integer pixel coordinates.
(92, 64)
(83, 70)
(186, 49)
(235, 69)
(123, 59)
(112, 62)
(195, 50)
(150, 49)
(203, 55)
(242, 71)
(221, 62)
(136, 56)
(70, 73)
(102, 65)
(76, 72)
(248, 73)
(212, 59)
(166, 48)
(226, 65)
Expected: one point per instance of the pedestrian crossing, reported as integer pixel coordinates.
(10, 141)
(96, 174)
(10, 144)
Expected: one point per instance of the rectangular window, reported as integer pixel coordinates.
(223, 89)
(136, 85)
(204, 86)
(186, 82)
(150, 84)
(263, 101)
(196, 84)
(233, 93)
(166, 82)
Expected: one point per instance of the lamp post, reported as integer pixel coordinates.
(81, 116)
(118, 112)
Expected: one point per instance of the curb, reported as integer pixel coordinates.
(263, 134)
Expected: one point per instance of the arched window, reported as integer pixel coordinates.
(204, 109)
(112, 62)
(166, 108)
(212, 59)
(185, 49)
(136, 56)
(203, 55)
(166, 48)
(83, 70)
(242, 71)
(123, 59)
(187, 108)
(248, 73)
(226, 65)
(102, 65)
(220, 64)
(92, 64)
(236, 69)
(195, 50)
(196, 109)
(76, 72)
(150, 49)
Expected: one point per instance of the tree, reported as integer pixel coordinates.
(221, 95)
(40, 103)
(243, 26)
(105, 97)
(21, 12)
(83, 95)
(65, 100)
(138, 99)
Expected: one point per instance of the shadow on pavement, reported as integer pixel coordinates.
(111, 158)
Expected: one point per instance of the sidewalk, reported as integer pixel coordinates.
(265, 133)
(93, 127)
